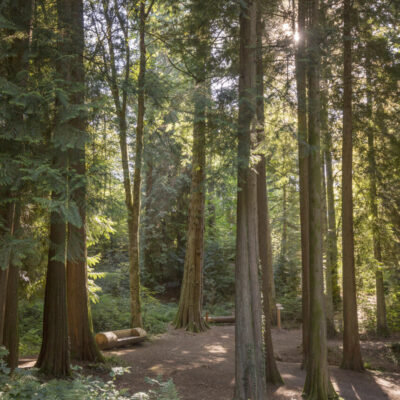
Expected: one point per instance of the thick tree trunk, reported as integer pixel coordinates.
(318, 385)
(189, 314)
(351, 343)
(134, 271)
(264, 230)
(301, 68)
(54, 357)
(381, 320)
(83, 345)
(250, 380)
(19, 13)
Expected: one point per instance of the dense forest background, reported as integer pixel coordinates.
(154, 74)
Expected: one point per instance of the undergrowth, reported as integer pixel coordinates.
(30, 385)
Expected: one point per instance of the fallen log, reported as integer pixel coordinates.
(123, 337)
(229, 319)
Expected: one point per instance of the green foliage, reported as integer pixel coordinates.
(30, 326)
(4, 370)
(393, 311)
(220, 309)
(27, 385)
(219, 274)
(162, 390)
(156, 315)
(291, 308)
(113, 313)
(110, 313)
(395, 347)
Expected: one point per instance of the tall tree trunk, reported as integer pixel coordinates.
(318, 385)
(120, 103)
(14, 68)
(301, 68)
(134, 271)
(189, 314)
(284, 238)
(3, 297)
(264, 230)
(7, 218)
(10, 334)
(330, 324)
(351, 342)
(332, 250)
(54, 356)
(83, 345)
(250, 380)
(381, 321)
(148, 262)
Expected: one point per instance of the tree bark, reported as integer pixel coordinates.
(332, 250)
(83, 345)
(14, 67)
(137, 177)
(148, 261)
(189, 315)
(250, 382)
(317, 385)
(54, 356)
(330, 324)
(120, 103)
(7, 217)
(284, 237)
(351, 343)
(381, 320)
(264, 230)
(10, 334)
(303, 152)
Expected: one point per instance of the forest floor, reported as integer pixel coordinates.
(202, 366)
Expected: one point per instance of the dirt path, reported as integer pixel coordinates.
(202, 367)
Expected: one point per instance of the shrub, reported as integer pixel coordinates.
(30, 326)
(395, 347)
(27, 385)
(112, 313)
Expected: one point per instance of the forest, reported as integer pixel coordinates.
(199, 199)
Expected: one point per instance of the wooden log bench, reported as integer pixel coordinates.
(123, 337)
(229, 319)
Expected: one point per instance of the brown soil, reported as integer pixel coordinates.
(202, 366)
